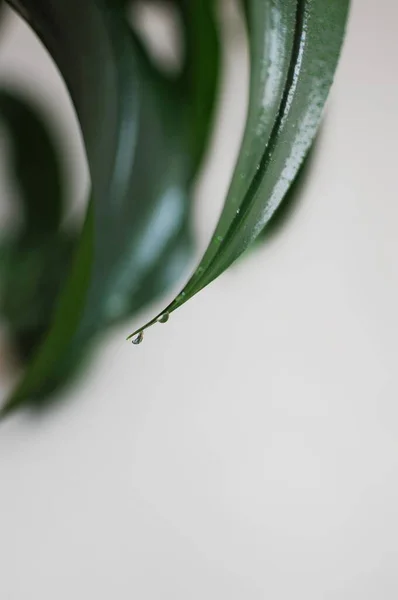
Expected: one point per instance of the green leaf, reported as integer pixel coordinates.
(35, 258)
(294, 47)
(185, 106)
(201, 70)
(144, 137)
(32, 278)
(136, 238)
(36, 166)
(291, 200)
(157, 217)
(92, 47)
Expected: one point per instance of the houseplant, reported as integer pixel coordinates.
(145, 133)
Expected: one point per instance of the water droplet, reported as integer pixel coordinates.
(164, 318)
(137, 339)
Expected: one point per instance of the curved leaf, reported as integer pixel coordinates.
(98, 66)
(31, 279)
(200, 73)
(36, 166)
(35, 258)
(136, 239)
(293, 57)
(290, 82)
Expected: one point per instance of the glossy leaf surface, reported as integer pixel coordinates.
(290, 82)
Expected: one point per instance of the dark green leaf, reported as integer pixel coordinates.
(35, 258)
(292, 198)
(200, 73)
(98, 66)
(36, 167)
(32, 277)
(136, 127)
(295, 47)
(136, 239)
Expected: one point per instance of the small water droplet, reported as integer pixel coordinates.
(164, 318)
(137, 339)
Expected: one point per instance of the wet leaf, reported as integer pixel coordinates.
(294, 47)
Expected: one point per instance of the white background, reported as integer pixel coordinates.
(249, 448)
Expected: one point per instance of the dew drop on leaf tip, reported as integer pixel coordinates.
(164, 318)
(137, 339)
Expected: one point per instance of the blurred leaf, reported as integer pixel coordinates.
(136, 239)
(99, 68)
(186, 108)
(37, 169)
(201, 70)
(197, 83)
(2, 12)
(294, 48)
(144, 136)
(31, 281)
(157, 215)
(35, 258)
